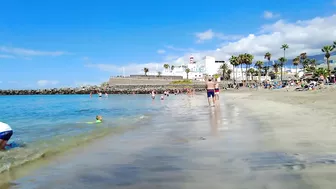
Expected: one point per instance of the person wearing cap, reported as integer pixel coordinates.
(6, 133)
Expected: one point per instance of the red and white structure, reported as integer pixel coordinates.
(191, 59)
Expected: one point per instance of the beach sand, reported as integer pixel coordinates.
(252, 139)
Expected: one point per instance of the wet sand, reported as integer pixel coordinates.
(252, 139)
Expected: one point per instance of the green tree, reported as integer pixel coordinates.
(166, 66)
(268, 57)
(241, 60)
(187, 71)
(276, 69)
(146, 70)
(284, 47)
(250, 72)
(259, 65)
(159, 74)
(321, 71)
(104, 84)
(296, 62)
(234, 62)
(303, 57)
(228, 74)
(224, 67)
(282, 60)
(172, 67)
(327, 50)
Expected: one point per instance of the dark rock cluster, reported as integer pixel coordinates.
(121, 89)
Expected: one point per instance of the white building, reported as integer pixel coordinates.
(198, 69)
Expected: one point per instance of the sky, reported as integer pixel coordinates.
(59, 43)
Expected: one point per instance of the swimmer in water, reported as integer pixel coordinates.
(99, 119)
(6, 133)
(153, 94)
(162, 98)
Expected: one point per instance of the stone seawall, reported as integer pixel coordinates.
(120, 89)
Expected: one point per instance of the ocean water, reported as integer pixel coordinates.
(48, 124)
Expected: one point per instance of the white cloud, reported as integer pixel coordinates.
(171, 47)
(85, 58)
(84, 83)
(302, 36)
(270, 15)
(43, 83)
(161, 51)
(206, 35)
(209, 35)
(30, 52)
(6, 56)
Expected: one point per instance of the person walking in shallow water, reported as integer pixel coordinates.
(210, 87)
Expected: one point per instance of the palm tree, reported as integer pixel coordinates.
(234, 62)
(248, 62)
(268, 56)
(166, 66)
(259, 65)
(172, 67)
(146, 70)
(241, 60)
(228, 72)
(224, 67)
(284, 47)
(276, 69)
(296, 62)
(327, 50)
(334, 44)
(159, 74)
(282, 60)
(187, 71)
(321, 71)
(303, 56)
(251, 71)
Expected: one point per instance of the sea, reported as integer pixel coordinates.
(45, 125)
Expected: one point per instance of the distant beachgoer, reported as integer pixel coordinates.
(153, 94)
(162, 97)
(99, 119)
(217, 91)
(90, 94)
(210, 87)
(6, 133)
(100, 94)
(106, 95)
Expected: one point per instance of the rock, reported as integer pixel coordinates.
(120, 89)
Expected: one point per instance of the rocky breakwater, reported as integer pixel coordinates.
(117, 89)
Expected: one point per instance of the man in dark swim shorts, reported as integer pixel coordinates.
(6, 133)
(210, 86)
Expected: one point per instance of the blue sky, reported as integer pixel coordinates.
(66, 43)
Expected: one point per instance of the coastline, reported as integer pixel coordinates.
(116, 89)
